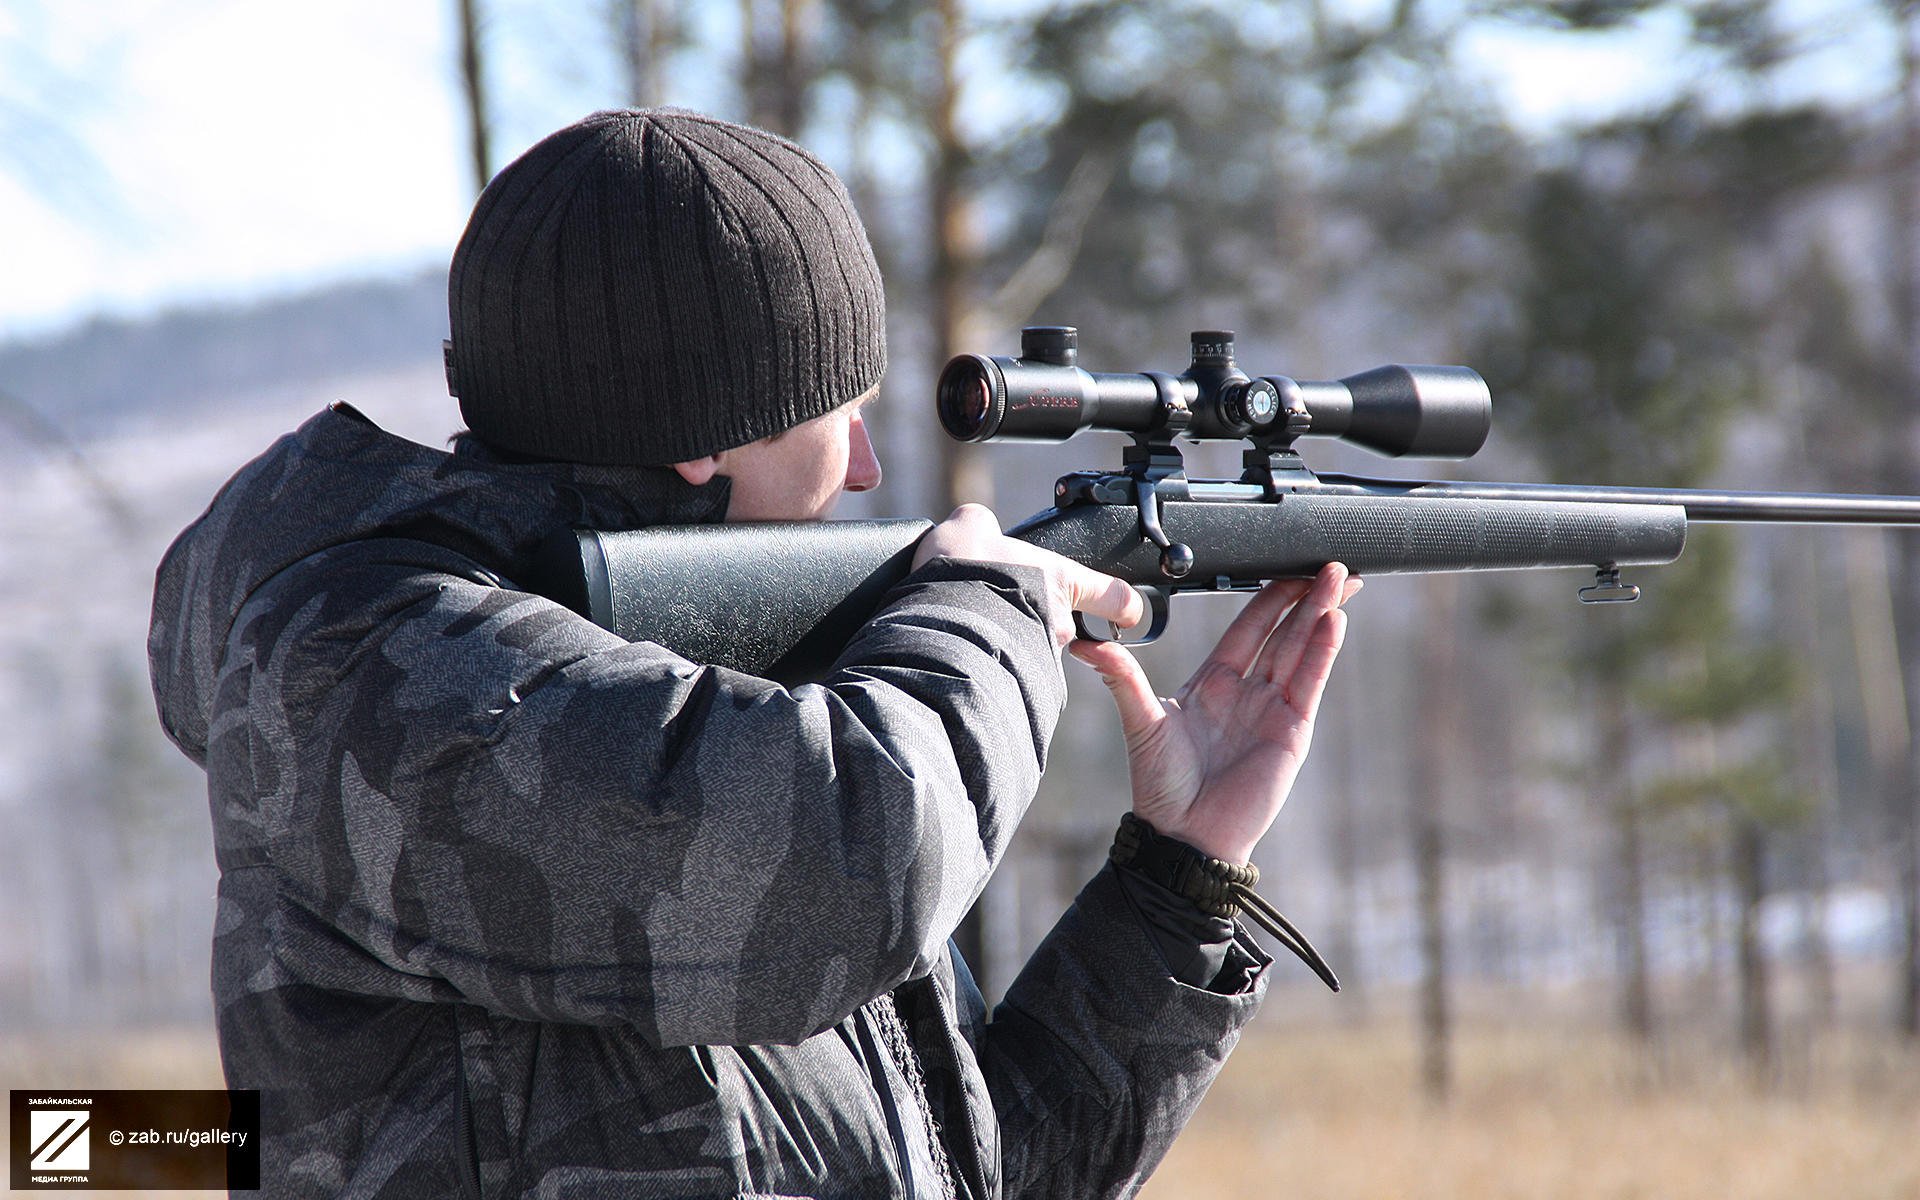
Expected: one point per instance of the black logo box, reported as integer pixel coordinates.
(137, 1164)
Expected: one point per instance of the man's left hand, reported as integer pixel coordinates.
(1212, 765)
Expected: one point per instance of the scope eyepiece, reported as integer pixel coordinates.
(1436, 412)
(965, 398)
(982, 399)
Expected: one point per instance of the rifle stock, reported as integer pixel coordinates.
(1240, 543)
(777, 599)
(780, 599)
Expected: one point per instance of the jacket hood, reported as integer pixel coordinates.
(340, 478)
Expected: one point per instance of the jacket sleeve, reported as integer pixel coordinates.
(1098, 1056)
(470, 792)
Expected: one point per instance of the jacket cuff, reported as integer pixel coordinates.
(1198, 948)
(1115, 955)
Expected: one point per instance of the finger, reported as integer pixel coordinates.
(1352, 589)
(1237, 647)
(976, 517)
(1132, 694)
(969, 531)
(1308, 682)
(1281, 654)
(1102, 595)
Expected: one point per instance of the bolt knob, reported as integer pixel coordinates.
(1176, 561)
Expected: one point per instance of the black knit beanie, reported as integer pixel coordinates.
(652, 286)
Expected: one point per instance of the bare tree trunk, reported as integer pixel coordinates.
(963, 473)
(1711, 872)
(1344, 944)
(1817, 771)
(1812, 961)
(1756, 1009)
(776, 74)
(1909, 981)
(1905, 795)
(796, 71)
(1615, 763)
(1816, 946)
(1435, 742)
(1876, 625)
(1905, 805)
(753, 66)
(647, 31)
(473, 84)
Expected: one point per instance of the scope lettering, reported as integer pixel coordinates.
(1042, 400)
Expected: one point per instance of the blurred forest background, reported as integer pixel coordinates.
(1626, 899)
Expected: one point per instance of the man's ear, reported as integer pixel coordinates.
(700, 470)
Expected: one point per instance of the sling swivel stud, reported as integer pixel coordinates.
(1607, 588)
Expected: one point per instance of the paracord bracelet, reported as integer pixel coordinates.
(1215, 886)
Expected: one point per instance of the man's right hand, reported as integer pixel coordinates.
(972, 532)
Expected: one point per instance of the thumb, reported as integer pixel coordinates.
(1139, 708)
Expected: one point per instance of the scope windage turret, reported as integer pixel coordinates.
(1044, 396)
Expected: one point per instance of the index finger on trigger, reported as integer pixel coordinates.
(1101, 595)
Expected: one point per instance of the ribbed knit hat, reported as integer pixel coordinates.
(652, 286)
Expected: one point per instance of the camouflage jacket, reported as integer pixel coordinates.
(509, 906)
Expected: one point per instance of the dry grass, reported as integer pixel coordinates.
(1549, 1113)
(83, 1060)
(1330, 1113)
(186, 1057)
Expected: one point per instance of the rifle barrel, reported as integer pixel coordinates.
(1829, 508)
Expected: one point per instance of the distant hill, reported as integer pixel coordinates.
(116, 374)
(133, 426)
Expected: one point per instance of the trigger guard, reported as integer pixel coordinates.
(1156, 601)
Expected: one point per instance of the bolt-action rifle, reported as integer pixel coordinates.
(781, 599)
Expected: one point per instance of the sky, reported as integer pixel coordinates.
(166, 152)
(212, 150)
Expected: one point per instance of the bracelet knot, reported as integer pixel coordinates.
(1213, 885)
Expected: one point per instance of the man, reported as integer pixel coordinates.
(511, 907)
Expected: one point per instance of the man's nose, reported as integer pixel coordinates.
(863, 466)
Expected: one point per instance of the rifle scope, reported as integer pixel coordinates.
(1044, 396)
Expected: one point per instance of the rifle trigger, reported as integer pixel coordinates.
(1157, 613)
(1607, 588)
